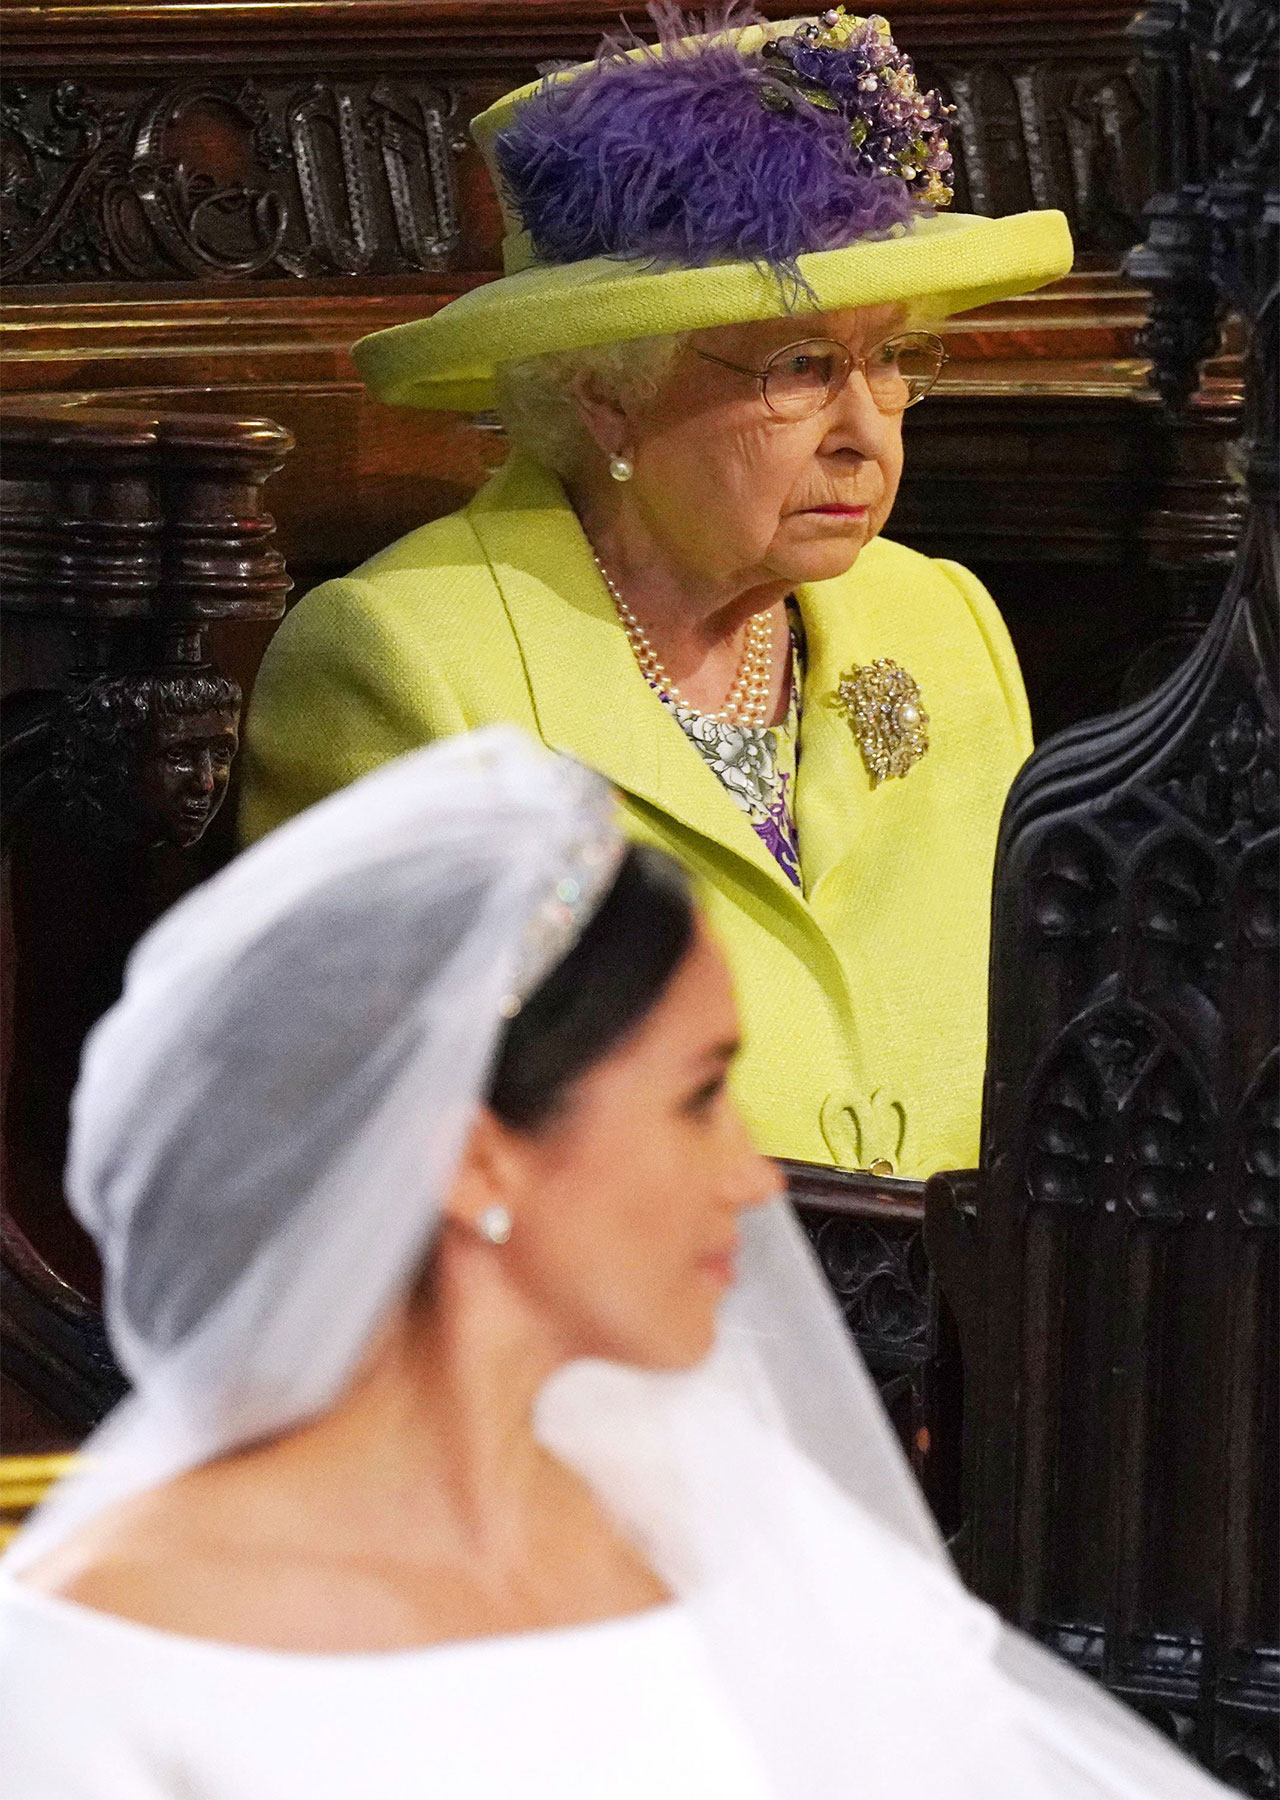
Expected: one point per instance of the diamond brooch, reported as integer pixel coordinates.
(882, 703)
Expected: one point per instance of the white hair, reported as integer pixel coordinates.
(536, 403)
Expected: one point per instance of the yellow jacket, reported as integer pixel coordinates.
(864, 1000)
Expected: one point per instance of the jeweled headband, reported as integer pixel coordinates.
(696, 151)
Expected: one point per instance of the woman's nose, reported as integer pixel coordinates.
(855, 422)
(756, 1179)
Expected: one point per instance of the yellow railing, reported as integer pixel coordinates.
(24, 1482)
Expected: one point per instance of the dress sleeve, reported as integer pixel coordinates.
(1004, 657)
(344, 687)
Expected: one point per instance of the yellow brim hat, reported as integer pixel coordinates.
(935, 265)
(944, 265)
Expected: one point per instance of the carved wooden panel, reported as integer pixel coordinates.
(1059, 128)
(867, 1235)
(227, 177)
(231, 176)
(1116, 1270)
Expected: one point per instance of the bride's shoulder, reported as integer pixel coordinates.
(156, 1559)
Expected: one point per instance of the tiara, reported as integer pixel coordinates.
(588, 867)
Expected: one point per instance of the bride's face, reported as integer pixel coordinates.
(627, 1224)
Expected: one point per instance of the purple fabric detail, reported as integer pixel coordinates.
(681, 160)
(777, 832)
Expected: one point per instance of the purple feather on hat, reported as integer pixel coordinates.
(693, 155)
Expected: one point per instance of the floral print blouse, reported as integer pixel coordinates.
(757, 765)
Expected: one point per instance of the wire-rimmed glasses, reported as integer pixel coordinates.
(800, 379)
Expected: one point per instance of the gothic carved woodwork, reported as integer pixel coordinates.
(867, 1234)
(59, 1369)
(261, 176)
(1061, 130)
(226, 178)
(1114, 1271)
(130, 542)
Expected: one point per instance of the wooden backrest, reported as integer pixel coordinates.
(1113, 1267)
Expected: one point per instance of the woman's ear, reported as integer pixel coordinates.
(491, 1172)
(607, 422)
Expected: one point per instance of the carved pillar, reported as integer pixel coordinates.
(1115, 1276)
(1190, 536)
(126, 539)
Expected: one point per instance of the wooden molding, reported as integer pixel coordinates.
(120, 34)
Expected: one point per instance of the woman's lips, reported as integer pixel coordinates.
(840, 512)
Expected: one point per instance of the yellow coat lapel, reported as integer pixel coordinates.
(834, 797)
(589, 697)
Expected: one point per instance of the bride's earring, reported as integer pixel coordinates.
(621, 468)
(494, 1224)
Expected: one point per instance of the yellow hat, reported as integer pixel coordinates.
(814, 87)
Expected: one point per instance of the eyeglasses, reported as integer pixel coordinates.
(800, 379)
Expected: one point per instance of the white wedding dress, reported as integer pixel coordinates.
(98, 1708)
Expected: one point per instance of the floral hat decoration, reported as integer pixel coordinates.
(746, 172)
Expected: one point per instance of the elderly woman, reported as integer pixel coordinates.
(474, 1370)
(723, 260)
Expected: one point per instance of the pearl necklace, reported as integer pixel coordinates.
(747, 702)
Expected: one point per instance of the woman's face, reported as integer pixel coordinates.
(740, 494)
(628, 1200)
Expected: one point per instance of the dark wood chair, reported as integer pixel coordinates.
(1113, 1265)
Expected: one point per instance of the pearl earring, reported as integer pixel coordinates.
(620, 468)
(494, 1224)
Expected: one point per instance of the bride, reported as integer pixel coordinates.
(491, 1432)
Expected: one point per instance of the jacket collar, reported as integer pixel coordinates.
(589, 697)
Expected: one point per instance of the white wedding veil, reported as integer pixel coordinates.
(265, 1127)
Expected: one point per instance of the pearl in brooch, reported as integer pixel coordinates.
(882, 703)
(747, 702)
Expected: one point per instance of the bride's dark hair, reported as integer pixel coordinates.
(603, 989)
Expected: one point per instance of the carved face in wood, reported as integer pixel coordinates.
(145, 758)
(183, 773)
